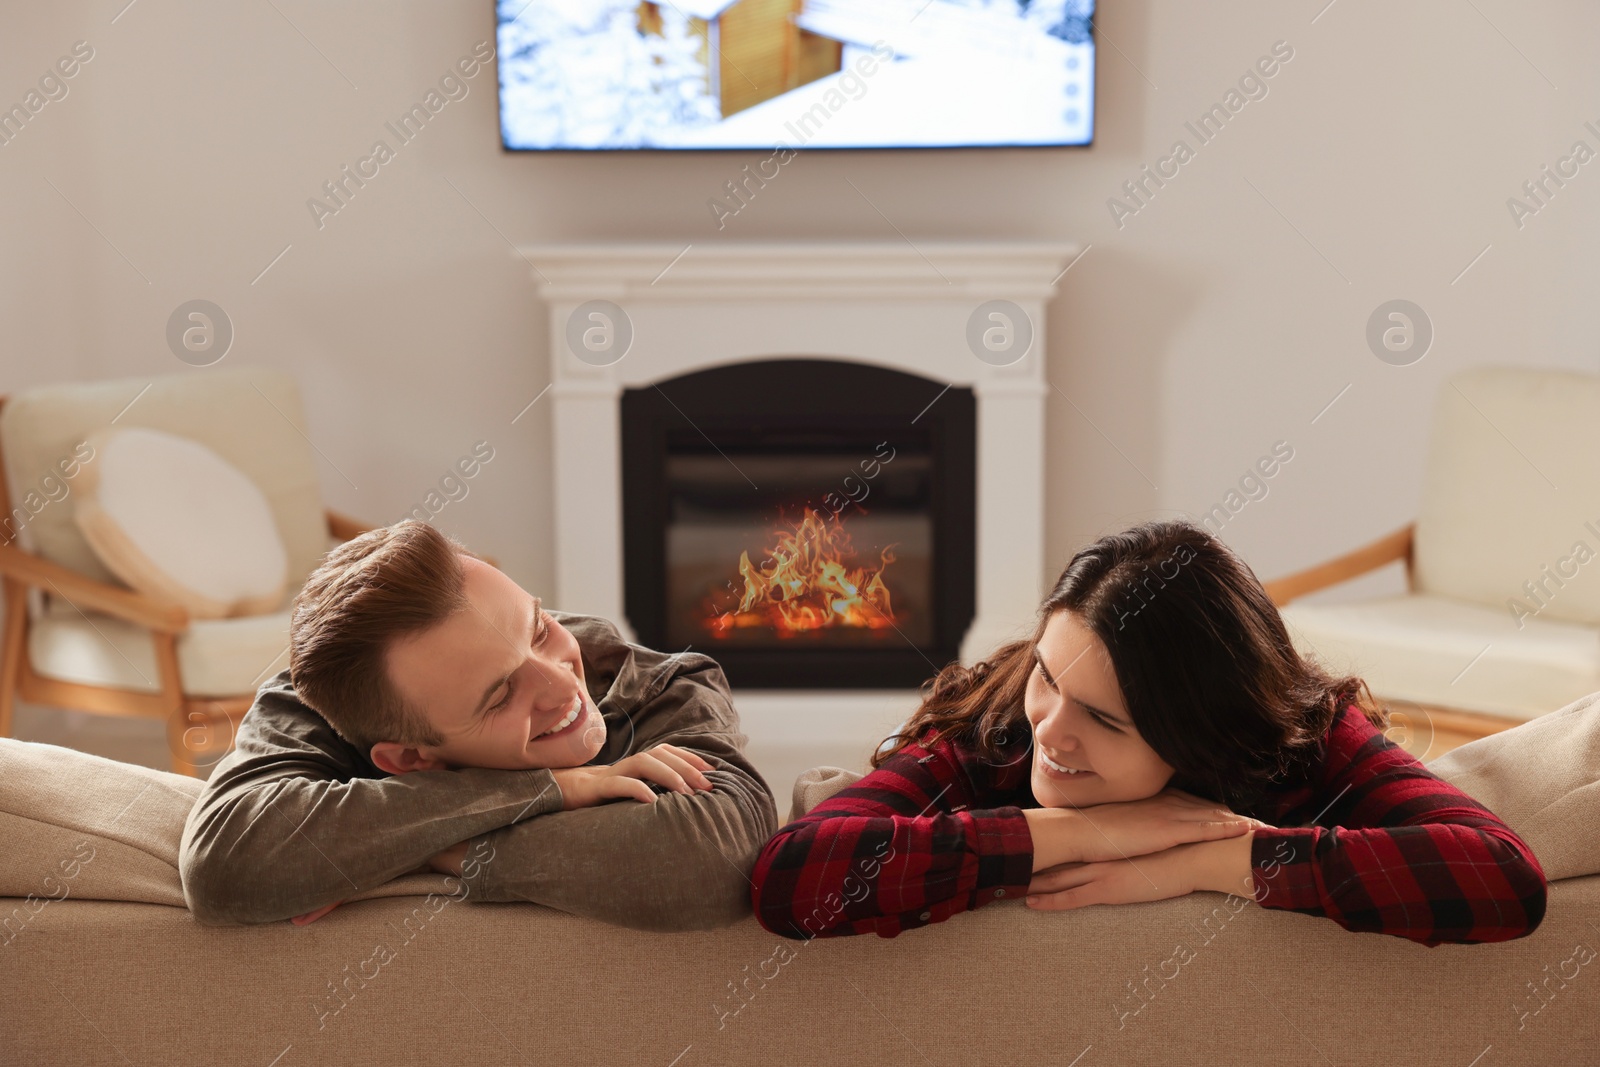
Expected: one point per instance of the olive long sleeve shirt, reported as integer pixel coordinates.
(295, 817)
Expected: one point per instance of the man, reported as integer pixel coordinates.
(431, 707)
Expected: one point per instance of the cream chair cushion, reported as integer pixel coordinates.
(216, 657)
(1442, 652)
(1512, 487)
(174, 520)
(249, 416)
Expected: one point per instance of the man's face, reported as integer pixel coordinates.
(501, 680)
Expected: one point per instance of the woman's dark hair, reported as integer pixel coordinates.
(1206, 667)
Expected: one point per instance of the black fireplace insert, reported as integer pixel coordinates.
(810, 523)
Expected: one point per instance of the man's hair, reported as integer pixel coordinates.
(370, 591)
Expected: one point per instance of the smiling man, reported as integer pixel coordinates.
(431, 704)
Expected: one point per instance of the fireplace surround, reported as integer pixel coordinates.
(889, 305)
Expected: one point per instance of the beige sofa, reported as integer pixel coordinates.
(104, 964)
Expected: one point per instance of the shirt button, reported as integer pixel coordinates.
(925, 916)
(999, 892)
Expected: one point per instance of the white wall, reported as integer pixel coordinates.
(1206, 328)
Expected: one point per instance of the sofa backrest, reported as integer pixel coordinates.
(250, 416)
(1511, 493)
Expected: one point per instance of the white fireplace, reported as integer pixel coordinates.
(925, 309)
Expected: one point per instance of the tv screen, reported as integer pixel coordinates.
(791, 74)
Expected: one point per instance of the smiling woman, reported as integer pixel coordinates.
(1113, 759)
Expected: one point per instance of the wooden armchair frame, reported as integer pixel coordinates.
(1380, 553)
(1450, 726)
(196, 726)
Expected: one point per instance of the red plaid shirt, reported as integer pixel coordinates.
(1371, 839)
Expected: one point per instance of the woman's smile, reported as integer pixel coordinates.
(1061, 770)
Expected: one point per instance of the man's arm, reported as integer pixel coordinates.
(681, 863)
(288, 823)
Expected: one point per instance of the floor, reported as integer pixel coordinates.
(131, 740)
(143, 741)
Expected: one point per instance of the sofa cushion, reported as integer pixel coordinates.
(78, 825)
(75, 825)
(1511, 490)
(176, 521)
(1444, 652)
(816, 785)
(1542, 777)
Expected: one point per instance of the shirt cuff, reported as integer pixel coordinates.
(1001, 840)
(1282, 867)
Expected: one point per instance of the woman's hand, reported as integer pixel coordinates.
(1130, 828)
(676, 768)
(1152, 877)
(1222, 866)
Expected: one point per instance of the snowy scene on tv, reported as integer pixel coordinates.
(773, 74)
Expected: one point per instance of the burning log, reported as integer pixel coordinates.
(805, 584)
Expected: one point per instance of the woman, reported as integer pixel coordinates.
(1158, 735)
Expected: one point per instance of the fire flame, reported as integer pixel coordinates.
(807, 586)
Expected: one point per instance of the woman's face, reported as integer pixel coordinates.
(1074, 705)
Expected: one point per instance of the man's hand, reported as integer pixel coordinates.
(449, 861)
(446, 862)
(584, 787)
(676, 768)
(313, 916)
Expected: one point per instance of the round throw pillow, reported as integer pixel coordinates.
(173, 519)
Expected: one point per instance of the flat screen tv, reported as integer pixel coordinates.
(604, 75)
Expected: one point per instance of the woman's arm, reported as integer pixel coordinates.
(937, 831)
(912, 843)
(1397, 850)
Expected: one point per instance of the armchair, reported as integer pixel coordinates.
(1500, 621)
(75, 637)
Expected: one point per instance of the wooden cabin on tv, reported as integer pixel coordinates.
(753, 49)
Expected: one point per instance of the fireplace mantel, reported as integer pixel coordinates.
(885, 303)
(798, 271)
